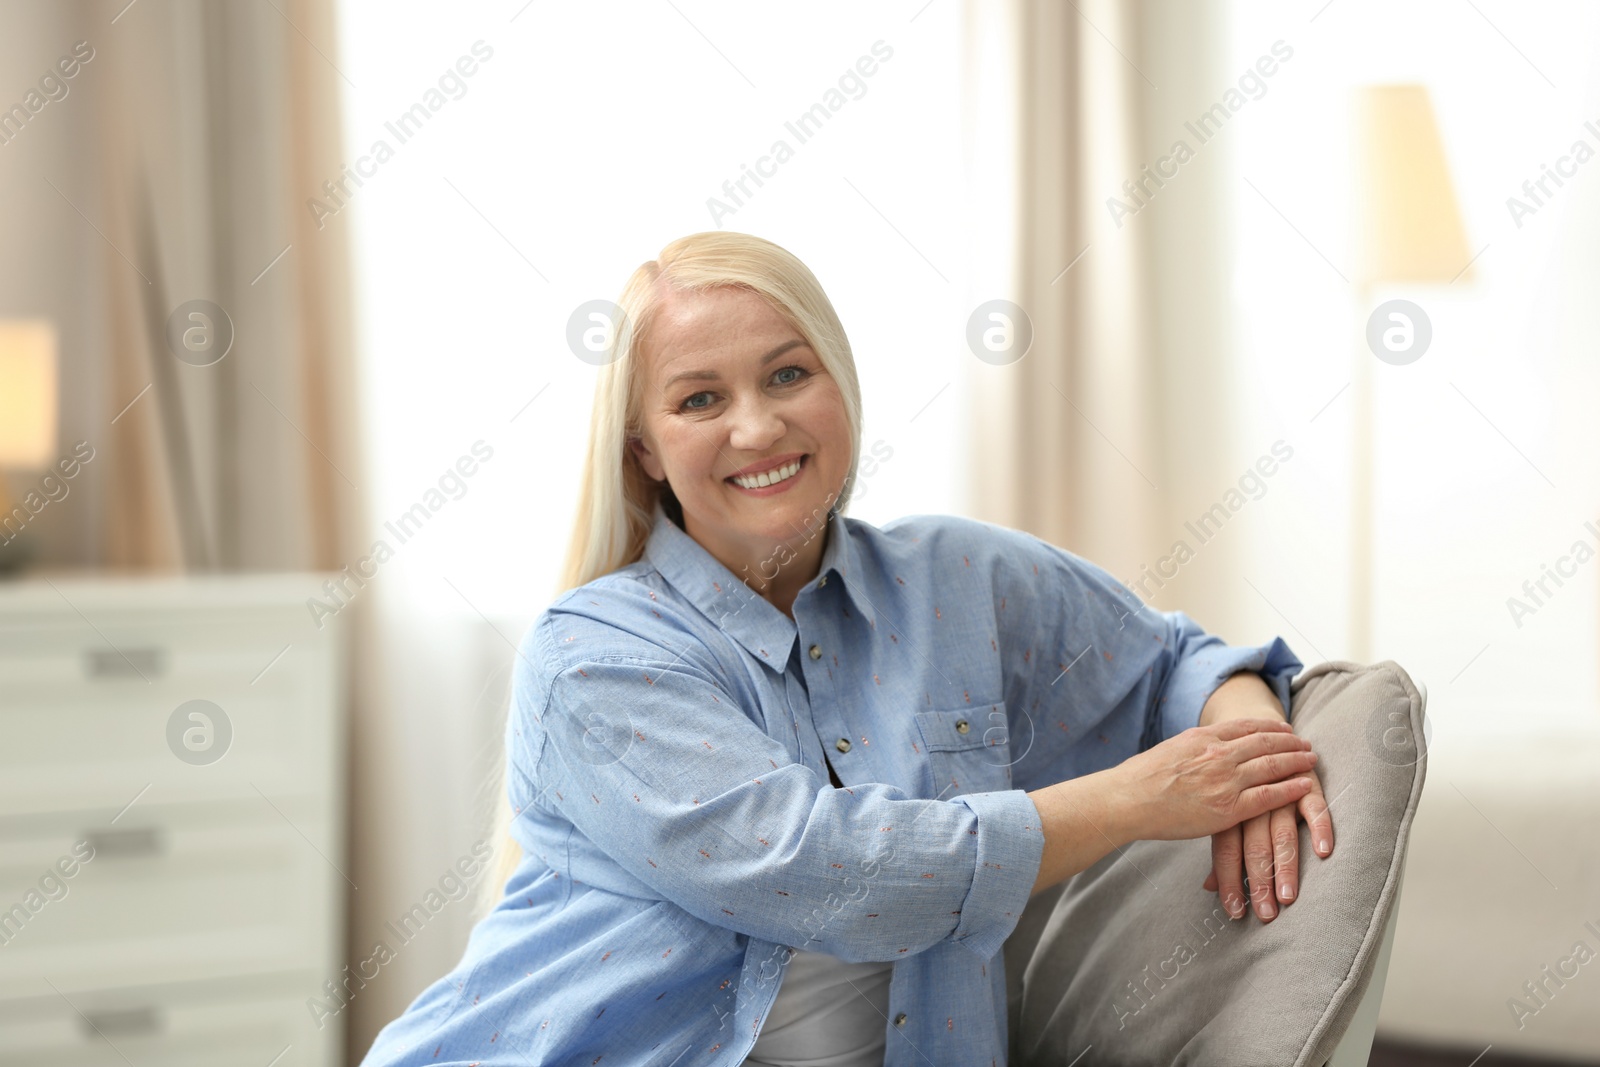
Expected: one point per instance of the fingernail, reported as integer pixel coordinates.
(1288, 892)
(1322, 845)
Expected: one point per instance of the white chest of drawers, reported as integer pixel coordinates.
(172, 865)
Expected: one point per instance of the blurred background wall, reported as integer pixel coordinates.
(395, 310)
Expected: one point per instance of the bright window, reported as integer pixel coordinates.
(574, 152)
(1485, 461)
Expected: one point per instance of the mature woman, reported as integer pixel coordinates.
(783, 781)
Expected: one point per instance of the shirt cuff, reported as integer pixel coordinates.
(1010, 850)
(1197, 676)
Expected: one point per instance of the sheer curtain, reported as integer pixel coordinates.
(1065, 441)
(174, 168)
(1122, 423)
(247, 461)
(1192, 324)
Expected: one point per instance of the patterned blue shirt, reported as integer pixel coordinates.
(669, 746)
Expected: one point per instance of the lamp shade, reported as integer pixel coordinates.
(27, 393)
(1408, 226)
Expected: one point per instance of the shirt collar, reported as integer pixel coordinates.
(736, 608)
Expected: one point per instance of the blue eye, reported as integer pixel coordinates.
(800, 375)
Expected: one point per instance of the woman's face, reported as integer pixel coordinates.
(731, 388)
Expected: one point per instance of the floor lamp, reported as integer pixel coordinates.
(1408, 232)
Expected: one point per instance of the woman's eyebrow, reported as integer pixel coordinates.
(711, 375)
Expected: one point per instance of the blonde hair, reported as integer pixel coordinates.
(616, 504)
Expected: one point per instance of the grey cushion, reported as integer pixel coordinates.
(1132, 961)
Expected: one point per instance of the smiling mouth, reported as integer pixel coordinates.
(772, 477)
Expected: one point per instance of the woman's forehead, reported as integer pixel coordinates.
(698, 330)
(711, 310)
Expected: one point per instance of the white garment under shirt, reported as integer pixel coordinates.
(828, 1013)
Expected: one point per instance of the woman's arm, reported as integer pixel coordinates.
(1191, 785)
(1091, 674)
(1093, 678)
(640, 755)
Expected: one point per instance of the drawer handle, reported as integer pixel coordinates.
(107, 664)
(123, 1022)
(125, 844)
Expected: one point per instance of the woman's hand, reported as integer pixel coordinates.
(1210, 778)
(1268, 845)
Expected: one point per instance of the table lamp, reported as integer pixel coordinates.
(28, 409)
(1408, 231)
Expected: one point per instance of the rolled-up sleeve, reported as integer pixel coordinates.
(652, 761)
(1007, 866)
(1203, 661)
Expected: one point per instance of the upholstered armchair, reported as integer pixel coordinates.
(1131, 962)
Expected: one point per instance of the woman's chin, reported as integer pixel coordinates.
(777, 520)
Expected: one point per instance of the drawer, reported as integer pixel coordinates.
(87, 712)
(228, 1024)
(193, 892)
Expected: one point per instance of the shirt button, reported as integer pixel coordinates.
(900, 1021)
(824, 580)
(843, 744)
(962, 727)
(816, 651)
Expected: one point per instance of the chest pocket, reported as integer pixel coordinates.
(968, 749)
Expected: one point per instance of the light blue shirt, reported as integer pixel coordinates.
(666, 745)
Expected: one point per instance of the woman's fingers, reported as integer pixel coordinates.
(1276, 782)
(1260, 798)
(1275, 766)
(1314, 807)
(1266, 742)
(1226, 873)
(1258, 865)
(1232, 729)
(1285, 829)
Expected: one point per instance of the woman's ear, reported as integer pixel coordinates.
(647, 459)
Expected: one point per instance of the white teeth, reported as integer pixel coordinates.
(758, 481)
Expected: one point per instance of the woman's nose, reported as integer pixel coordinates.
(754, 425)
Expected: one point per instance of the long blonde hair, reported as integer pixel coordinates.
(616, 504)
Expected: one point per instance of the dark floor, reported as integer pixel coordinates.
(1394, 1054)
